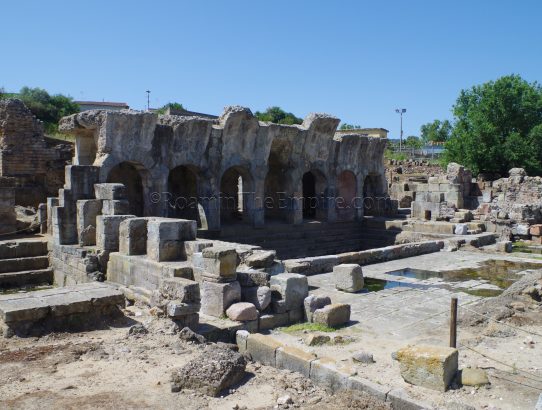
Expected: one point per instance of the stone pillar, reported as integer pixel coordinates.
(258, 215)
(166, 237)
(329, 197)
(87, 211)
(51, 202)
(42, 218)
(107, 231)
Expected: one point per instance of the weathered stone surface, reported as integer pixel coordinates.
(333, 315)
(115, 207)
(219, 263)
(295, 360)
(473, 377)
(504, 246)
(536, 230)
(250, 278)
(242, 312)
(260, 259)
(348, 277)
(313, 302)
(110, 191)
(211, 372)
(133, 236)
(107, 231)
(433, 367)
(331, 374)
(317, 339)
(291, 288)
(461, 229)
(217, 297)
(363, 357)
(263, 348)
(166, 236)
(259, 296)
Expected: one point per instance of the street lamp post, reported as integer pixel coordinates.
(148, 99)
(401, 111)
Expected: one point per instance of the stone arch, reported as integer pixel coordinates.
(135, 177)
(314, 184)
(236, 195)
(345, 201)
(183, 193)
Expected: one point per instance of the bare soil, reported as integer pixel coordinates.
(109, 369)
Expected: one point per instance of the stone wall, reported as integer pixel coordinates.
(36, 163)
(8, 220)
(267, 157)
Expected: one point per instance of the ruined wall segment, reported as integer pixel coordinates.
(236, 142)
(36, 162)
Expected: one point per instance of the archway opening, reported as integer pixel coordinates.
(314, 187)
(235, 195)
(345, 202)
(183, 194)
(130, 174)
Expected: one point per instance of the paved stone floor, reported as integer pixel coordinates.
(386, 320)
(403, 312)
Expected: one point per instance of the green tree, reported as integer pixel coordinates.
(498, 126)
(413, 142)
(436, 131)
(278, 116)
(172, 105)
(346, 126)
(48, 108)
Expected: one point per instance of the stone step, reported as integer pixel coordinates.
(23, 248)
(26, 277)
(24, 264)
(71, 307)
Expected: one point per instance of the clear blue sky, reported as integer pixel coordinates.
(358, 60)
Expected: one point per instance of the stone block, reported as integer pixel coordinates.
(241, 337)
(242, 312)
(461, 229)
(433, 367)
(175, 309)
(296, 315)
(333, 315)
(329, 374)
(133, 236)
(295, 360)
(263, 348)
(274, 320)
(250, 278)
(504, 246)
(166, 236)
(348, 277)
(107, 231)
(357, 383)
(260, 259)
(219, 264)
(313, 302)
(110, 191)
(87, 211)
(536, 230)
(522, 229)
(259, 296)
(180, 289)
(292, 289)
(196, 246)
(115, 207)
(217, 297)
(22, 309)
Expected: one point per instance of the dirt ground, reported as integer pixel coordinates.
(110, 369)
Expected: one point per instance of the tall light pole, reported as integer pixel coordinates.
(401, 111)
(148, 99)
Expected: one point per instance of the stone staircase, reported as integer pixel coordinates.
(308, 239)
(24, 262)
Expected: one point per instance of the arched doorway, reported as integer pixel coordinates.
(183, 194)
(236, 192)
(314, 191)
(345, 202)
(130, 174)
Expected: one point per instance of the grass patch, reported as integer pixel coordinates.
(312, 327)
